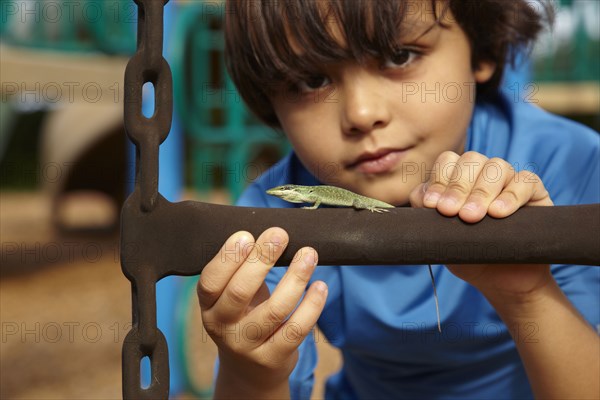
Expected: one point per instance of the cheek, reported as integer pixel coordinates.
(442, 112)
(310, 150)
(450, 89)
(456, 112)
(313, 140)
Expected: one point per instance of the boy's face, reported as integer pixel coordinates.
(378, 128)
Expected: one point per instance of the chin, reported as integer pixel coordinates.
(389, 195)
(398, 202)
(395, 190)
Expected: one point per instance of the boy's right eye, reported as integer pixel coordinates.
(313, 83)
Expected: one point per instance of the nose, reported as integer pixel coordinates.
(364, 105)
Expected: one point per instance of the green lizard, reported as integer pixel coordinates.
(335, 196)
(329, 195)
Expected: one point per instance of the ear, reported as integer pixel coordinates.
(484, 71)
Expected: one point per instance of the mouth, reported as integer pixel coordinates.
(378, 162)
(275, 191)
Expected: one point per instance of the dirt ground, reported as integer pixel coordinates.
(65, 308)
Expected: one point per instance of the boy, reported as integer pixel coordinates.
(399, 101)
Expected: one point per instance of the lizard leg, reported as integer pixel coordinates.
(360, 205)
(378, 210)
(316, 205)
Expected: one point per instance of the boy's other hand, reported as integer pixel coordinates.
(258, 334)
(472, 185)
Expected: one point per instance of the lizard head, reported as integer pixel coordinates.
(291, 193)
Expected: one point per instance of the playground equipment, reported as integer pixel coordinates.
(160, 238)
(225, 136)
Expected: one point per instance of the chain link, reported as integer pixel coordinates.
(146, 65)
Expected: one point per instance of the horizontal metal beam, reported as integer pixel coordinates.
(180, 238)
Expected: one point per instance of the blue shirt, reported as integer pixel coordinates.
(383, 318)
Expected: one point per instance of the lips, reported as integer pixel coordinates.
(378, 162)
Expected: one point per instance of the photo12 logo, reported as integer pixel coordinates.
(52, 12)
(65, 331)
(64, 92)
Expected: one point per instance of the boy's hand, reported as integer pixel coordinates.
(472, 186)
(257, 333)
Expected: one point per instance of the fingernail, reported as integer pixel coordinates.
(432, 197)
(449, 201)
(243, 240)
(276, 239)
(499, 204)
(470, 206)
(321, 286)
(309, 259)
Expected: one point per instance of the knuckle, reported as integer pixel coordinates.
(237, 294)
(207, 287)
(525, 176)
(294, 335)
(511, 196)
(212, 329)
(299, 276)
(542, 193)
(275, 313)
(500, 162)
(522, 174)
(460, 187)
(480, 192)
(448, 156)
(497, 170)
(473, 156)
(436, 187)
(264, 257)
(442, 167)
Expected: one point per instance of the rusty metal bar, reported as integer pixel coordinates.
(180, 238)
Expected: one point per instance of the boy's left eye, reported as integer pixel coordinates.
(401, 59)
(313, 83)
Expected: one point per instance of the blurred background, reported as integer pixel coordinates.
(66, 167)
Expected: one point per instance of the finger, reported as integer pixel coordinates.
(245, 283)
(217, 273)
(492, 179)
(525, 189)
(461, 183)
(417, 194)
(289, 291)
(442, 170)
(289, 336)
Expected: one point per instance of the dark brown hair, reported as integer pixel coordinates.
(261, 35)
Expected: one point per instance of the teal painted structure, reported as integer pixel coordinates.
(225, 137)
(73, 26)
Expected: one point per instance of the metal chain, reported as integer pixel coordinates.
(146, 65)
